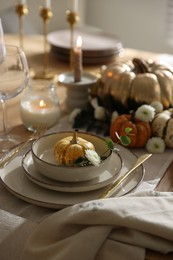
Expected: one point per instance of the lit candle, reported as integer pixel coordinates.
(73, 5)
(36, 111)
(78, 60)
(47, 3)
(22, 2)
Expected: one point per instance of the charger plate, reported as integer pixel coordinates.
(105, 177)
(15, 181)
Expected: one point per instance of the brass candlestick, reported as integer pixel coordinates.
(72, 18)
(21, 10)
(46, 14)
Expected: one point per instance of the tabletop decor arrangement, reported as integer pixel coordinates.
(21, 9)
(137, 94)
(76, 82)
(46, 14)
(116, 109)
(129, 106)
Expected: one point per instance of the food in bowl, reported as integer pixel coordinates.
(44, 161)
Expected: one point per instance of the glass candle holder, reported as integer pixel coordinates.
(40, 104)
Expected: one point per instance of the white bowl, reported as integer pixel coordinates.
(43, 157)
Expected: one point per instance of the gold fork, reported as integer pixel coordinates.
(9, 156)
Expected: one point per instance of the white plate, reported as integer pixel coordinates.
(97, 47)
(14, 179)
(104, 179)
(99, 59)
(97, 42)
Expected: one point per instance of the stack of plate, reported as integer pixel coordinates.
(98, 47)
(21, 178)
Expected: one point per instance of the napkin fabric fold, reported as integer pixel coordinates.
(14, 232)
(115, 228)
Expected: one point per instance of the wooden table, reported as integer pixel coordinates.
(33, 46)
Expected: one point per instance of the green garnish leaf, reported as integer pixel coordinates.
(125, 140)
(110, 143)
(128, 130)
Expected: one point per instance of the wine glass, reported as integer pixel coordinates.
(14, 77)
(1, 38)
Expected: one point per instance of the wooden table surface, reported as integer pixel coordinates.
(33, 46)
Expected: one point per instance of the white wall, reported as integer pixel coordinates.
(33, 22)
(138, 23)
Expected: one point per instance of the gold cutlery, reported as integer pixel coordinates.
(111, 189)
(10, 155)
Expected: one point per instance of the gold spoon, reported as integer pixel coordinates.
(111, 189)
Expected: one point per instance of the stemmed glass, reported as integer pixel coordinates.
(14, 76)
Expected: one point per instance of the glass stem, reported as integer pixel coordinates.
(4, 113)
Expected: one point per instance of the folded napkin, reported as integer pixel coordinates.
(14, 232)
(115, 228)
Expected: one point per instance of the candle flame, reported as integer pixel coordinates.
(79, 42)
(110, 74)
(42, 104)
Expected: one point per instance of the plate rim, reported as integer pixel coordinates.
(71, 188)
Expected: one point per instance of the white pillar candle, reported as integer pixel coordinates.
(22, 2)
(78, 60)
(46, 3)
(73, 5)
(36, 111)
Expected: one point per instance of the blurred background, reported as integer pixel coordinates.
(145, 25)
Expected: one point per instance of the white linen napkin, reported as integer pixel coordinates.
(14, 231)
(115, 228)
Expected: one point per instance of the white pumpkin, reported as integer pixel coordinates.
(162, 126)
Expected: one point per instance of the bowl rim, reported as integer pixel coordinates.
(67, 166)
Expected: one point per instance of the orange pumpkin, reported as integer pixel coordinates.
(139, 135)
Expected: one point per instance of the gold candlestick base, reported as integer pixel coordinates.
(77, 93)
(43, 75)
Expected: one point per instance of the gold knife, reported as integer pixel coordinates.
(111, 189)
